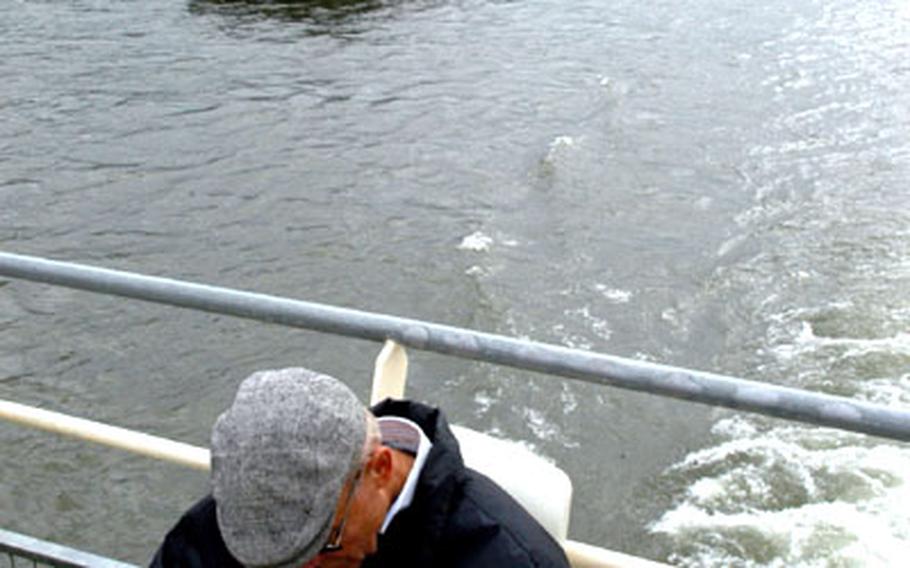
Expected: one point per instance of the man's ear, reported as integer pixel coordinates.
(380, 464)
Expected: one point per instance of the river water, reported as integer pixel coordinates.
(716, 185)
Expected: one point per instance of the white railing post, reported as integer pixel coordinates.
(390, 373)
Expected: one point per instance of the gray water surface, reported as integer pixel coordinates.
(700, 183)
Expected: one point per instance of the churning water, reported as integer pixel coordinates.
(704, 183)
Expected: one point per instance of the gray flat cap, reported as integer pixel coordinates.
(280, 457)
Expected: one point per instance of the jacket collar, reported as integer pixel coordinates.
(442, 473)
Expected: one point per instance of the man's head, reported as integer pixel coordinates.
(295, 461)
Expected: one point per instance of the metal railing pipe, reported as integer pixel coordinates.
(46, 553)
(697, 386)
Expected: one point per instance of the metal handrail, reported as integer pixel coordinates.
(20, 546)
(697, 386)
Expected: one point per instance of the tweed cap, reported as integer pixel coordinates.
(280, 456)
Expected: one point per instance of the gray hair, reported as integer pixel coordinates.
(373, 439)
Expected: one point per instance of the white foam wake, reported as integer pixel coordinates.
(790, 496)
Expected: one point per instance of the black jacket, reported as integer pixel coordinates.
(195, 541)
(458, 519)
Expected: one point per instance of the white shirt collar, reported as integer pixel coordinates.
(410, 485)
